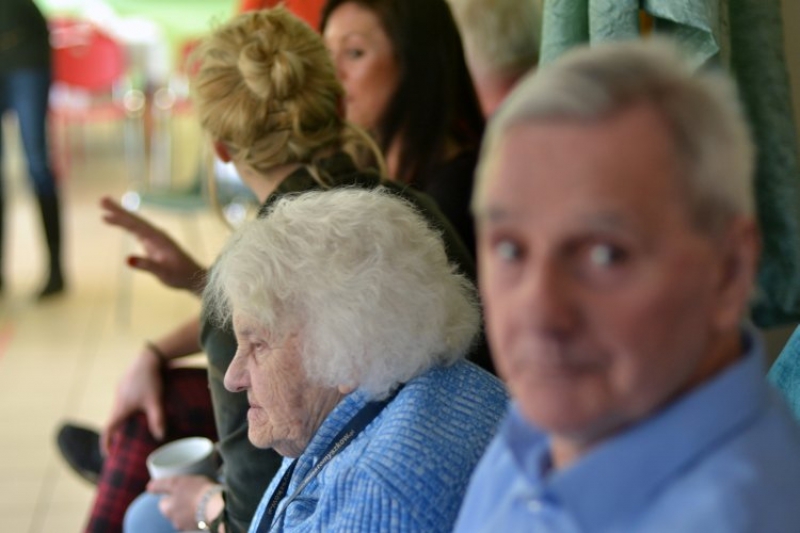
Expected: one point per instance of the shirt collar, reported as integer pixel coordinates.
(634, 465)
(344, 411)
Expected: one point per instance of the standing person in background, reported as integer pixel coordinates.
(402, 66)
(24, 89)
(501, 42)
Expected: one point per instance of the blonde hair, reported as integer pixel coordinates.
(265, 87)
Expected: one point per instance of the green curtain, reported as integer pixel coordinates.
(746, 37)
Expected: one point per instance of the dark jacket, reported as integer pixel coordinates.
(24, 37)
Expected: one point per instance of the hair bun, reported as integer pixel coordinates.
(269, 73)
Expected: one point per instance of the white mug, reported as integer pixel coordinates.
(189, 456)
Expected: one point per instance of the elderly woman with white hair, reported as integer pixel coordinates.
(352, 329)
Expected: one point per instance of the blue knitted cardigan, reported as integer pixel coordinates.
(408, 470)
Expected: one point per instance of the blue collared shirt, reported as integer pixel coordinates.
(724, 458)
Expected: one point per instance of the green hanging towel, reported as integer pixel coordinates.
(745, 37)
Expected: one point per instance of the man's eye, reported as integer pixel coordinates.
(508, 250)
(606, 255)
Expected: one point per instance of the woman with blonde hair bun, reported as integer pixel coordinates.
(266, 93)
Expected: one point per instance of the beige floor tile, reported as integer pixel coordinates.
(20, 493)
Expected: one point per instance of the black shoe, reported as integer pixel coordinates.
(80, 447)
(53, 287)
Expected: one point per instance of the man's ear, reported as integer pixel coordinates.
(740, 249)
(222, 151)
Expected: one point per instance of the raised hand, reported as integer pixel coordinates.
(163, 257)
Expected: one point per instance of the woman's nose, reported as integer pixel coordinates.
(236, 377)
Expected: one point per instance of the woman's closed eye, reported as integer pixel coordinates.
(257, 346)
(253, 347)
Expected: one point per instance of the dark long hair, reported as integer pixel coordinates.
(435, 99)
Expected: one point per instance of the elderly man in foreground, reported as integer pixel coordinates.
(352, 329)
(617, 253)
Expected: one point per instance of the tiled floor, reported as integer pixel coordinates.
(61, 359)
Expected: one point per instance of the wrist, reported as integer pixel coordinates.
(156, 352)
(201, 515)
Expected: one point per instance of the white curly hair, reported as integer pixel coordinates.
(363, 279)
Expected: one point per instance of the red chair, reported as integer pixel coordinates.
(90, 84)
(87, 58)
(308, 10)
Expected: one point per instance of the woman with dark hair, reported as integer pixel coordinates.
(402, 66)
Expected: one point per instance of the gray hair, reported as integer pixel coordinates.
(701, 110)
(502, 34)
(361, 276)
